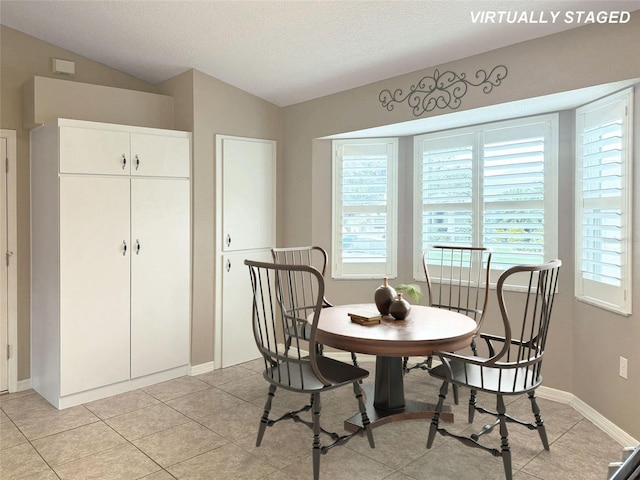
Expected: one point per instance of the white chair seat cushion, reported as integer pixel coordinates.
(489, 379)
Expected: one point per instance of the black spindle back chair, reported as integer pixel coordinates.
(285, 297)
(457, 279)
(513, 364)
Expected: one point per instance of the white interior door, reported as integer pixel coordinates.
(248, 191)
(160, 272)
(238, 343)
(95, 251)
(4, 271)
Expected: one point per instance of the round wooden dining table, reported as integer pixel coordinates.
(424, 331)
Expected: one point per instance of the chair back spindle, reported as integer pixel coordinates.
(314, 256)
(458, 279)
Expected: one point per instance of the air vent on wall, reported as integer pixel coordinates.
(63, 67)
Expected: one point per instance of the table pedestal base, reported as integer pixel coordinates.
(412, 410)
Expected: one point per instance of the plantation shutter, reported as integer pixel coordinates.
(513, 222)
(603, 203)
(446, 181)
(365, 208)
(493, 186)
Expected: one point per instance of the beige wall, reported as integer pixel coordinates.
(587, 342)
(45, 99)
(218, 108)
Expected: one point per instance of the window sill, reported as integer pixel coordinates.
(605, 306)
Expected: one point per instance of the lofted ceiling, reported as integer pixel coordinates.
(286, 51)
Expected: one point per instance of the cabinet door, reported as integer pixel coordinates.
(94, 282)
(87, 150)
(158, 155)
(238, 343)
(160, 274)
(248, 194)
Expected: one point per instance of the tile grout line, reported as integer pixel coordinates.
(31, 444)
(134, 446)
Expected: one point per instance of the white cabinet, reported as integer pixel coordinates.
(94, 282)
(90, 150)
(245, 228)
(159, 155)
(159, 274)
(118, 152)
(110, 259)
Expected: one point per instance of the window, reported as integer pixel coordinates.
(491, 185)
(364, 208)
(603, 202)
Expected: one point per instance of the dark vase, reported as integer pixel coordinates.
(399, 308)
(383, 297)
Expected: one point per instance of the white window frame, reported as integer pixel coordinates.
(365, 270)
(550, 202)
(617, 299)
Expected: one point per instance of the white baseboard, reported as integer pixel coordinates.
(552, 394)
(23, 385)
(114, 389)
(201, 368)
(604, 424)
(608, 427)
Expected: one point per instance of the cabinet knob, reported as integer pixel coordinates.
(124, 248)
(124, 161)
(137, 247)
(228, 265)
(137, 162)
(228, 240)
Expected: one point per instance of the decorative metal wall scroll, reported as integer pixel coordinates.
(442, 90)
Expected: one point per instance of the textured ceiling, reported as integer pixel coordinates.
(285, 52)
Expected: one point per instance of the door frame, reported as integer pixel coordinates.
(12, 274)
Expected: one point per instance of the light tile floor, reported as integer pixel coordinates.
(204, 427)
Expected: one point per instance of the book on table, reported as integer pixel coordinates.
(365, 316)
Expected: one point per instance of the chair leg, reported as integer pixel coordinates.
(472, 405)
(504, 439)
(435, 420)
(316, 436)
(354, 359)
(456, 399)
(264, 421)
(542, 431)
(363, 413)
